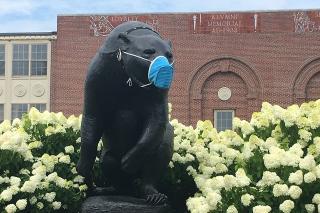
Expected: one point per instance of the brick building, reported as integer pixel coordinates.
(226, 63)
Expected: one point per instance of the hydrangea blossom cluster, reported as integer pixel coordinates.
(269, 164)
(38, 155)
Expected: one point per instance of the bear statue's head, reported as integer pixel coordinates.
(145, 56)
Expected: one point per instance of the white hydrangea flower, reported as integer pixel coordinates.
(33, 200)
(65, 159)
(220, 168)
(198, 205)
(5, 126)
(268, 179)
(78, 179)
(295, 192)
(78, 140)
(286, 206)
(305, 135)
(272, 161)
(310, 177)
(34, 116)
(316, 199)
(242, 179)
(217, 183)
(21, 204)
(6, 195)
(69, 149)
(232, 209)
(296, 149)
(213, 198)
(246, 199)
(60, 182)
(52, 177)
(83, 187)
(191, 171)
(73, 122)
(15, 181)
(261, 209)
(307, 163)
(310, 208)
(56, 205)
(4, 180)
(50, 196)
(230, 181)
(296, 177)
(280, 190)
(40, 205)
(11, 208)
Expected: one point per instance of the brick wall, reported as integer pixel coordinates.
(263, 56)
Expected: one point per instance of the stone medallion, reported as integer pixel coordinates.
(224, 93)
(38, 90)
(20, 90)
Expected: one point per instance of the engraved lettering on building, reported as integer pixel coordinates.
(224, 23)
(303, 23)
(103, 25)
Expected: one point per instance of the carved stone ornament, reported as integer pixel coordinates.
(38, 90)
(20, 90)
(224, 93)
(100, 25)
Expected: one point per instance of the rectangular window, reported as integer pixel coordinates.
(2, 59)
(1, 113)
(223, 119)
(39, 59)
(40, 107)
(20, 60)
(17, 110)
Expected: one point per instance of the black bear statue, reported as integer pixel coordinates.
(126, 104)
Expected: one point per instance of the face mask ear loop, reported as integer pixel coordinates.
(119, 55)
(142, 86)
(136, 56)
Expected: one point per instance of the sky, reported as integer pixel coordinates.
(41, 15)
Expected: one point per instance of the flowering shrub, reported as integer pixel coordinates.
(38, 155)
(270, 164)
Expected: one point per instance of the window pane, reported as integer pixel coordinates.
(38, 67)
(17, 110)
(20, 62)
(40, 107)
(39, 59)
(2, 52)
(2, 59)
(20, 52)
(39, 52)
(223, 120)
(1, 113)
(20, 67)
(2, 71)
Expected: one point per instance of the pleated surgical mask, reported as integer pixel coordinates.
(160, 72)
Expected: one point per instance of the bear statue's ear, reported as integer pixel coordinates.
(124, 37)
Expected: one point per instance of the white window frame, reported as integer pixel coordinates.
(216, 111)
(29, 107)
(4, 59)
(30, 60)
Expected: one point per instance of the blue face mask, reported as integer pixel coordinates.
(160, 72)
